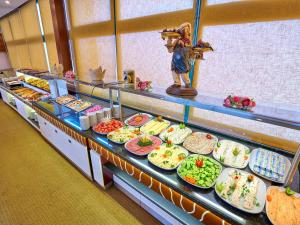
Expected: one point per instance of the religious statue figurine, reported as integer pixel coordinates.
(180, 44)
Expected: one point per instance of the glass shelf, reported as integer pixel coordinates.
(277, 115)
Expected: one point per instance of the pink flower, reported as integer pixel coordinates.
(252, 103)
(143, 86)
(236, 99)
(227, 102)
(246, 102)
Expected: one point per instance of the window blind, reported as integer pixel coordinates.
(48, 31)
(257, 47)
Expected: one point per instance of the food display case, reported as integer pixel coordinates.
(191, 178)
(204, 204)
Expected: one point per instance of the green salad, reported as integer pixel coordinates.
(200, 171)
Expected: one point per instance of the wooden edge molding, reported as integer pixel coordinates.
(187, 205)
(74, 134)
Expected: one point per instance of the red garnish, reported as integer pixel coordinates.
(269, 198)
(190, 180)
(169, 143)
(170, 130)
(138, 119)
(208, 136)
(199, 163)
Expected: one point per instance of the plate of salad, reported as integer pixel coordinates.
(282, 206)
(242, 190)
(155, 126)
(105, 127)
(167, 156)
(232, 154)
(176, 133)
(200, 143)
(143, 145)
(199, 171)
(123, 134)
(138, 119)
(269, 165)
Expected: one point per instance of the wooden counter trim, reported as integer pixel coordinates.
(187, 205)
(74, 134)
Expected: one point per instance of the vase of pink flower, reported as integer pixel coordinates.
(238, 102)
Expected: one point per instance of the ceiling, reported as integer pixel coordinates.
(6, 8)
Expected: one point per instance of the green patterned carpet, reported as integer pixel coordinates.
(38, 186)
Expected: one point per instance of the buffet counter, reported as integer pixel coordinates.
(95, 154)
(203, 204)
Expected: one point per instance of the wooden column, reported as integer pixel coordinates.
(61, 34)
(2, 44)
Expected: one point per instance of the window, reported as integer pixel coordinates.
(257, 47)
(141, 48)
(48, 31)
(23, 38)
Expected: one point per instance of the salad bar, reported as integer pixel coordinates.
(204, 171)
(219, 173)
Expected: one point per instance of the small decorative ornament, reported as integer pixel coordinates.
(238, 102)
(69, 75)
(57, 70)
(179, 43)
(97, 75)
(143, 85)
(129, 77)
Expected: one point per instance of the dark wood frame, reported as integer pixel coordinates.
(61, 33)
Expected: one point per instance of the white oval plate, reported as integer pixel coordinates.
(179, 140)
(260, 194)
(195, 185)
(215, 154)
(157, 132)
(150, 118)
(252, 162)
(170, 169)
